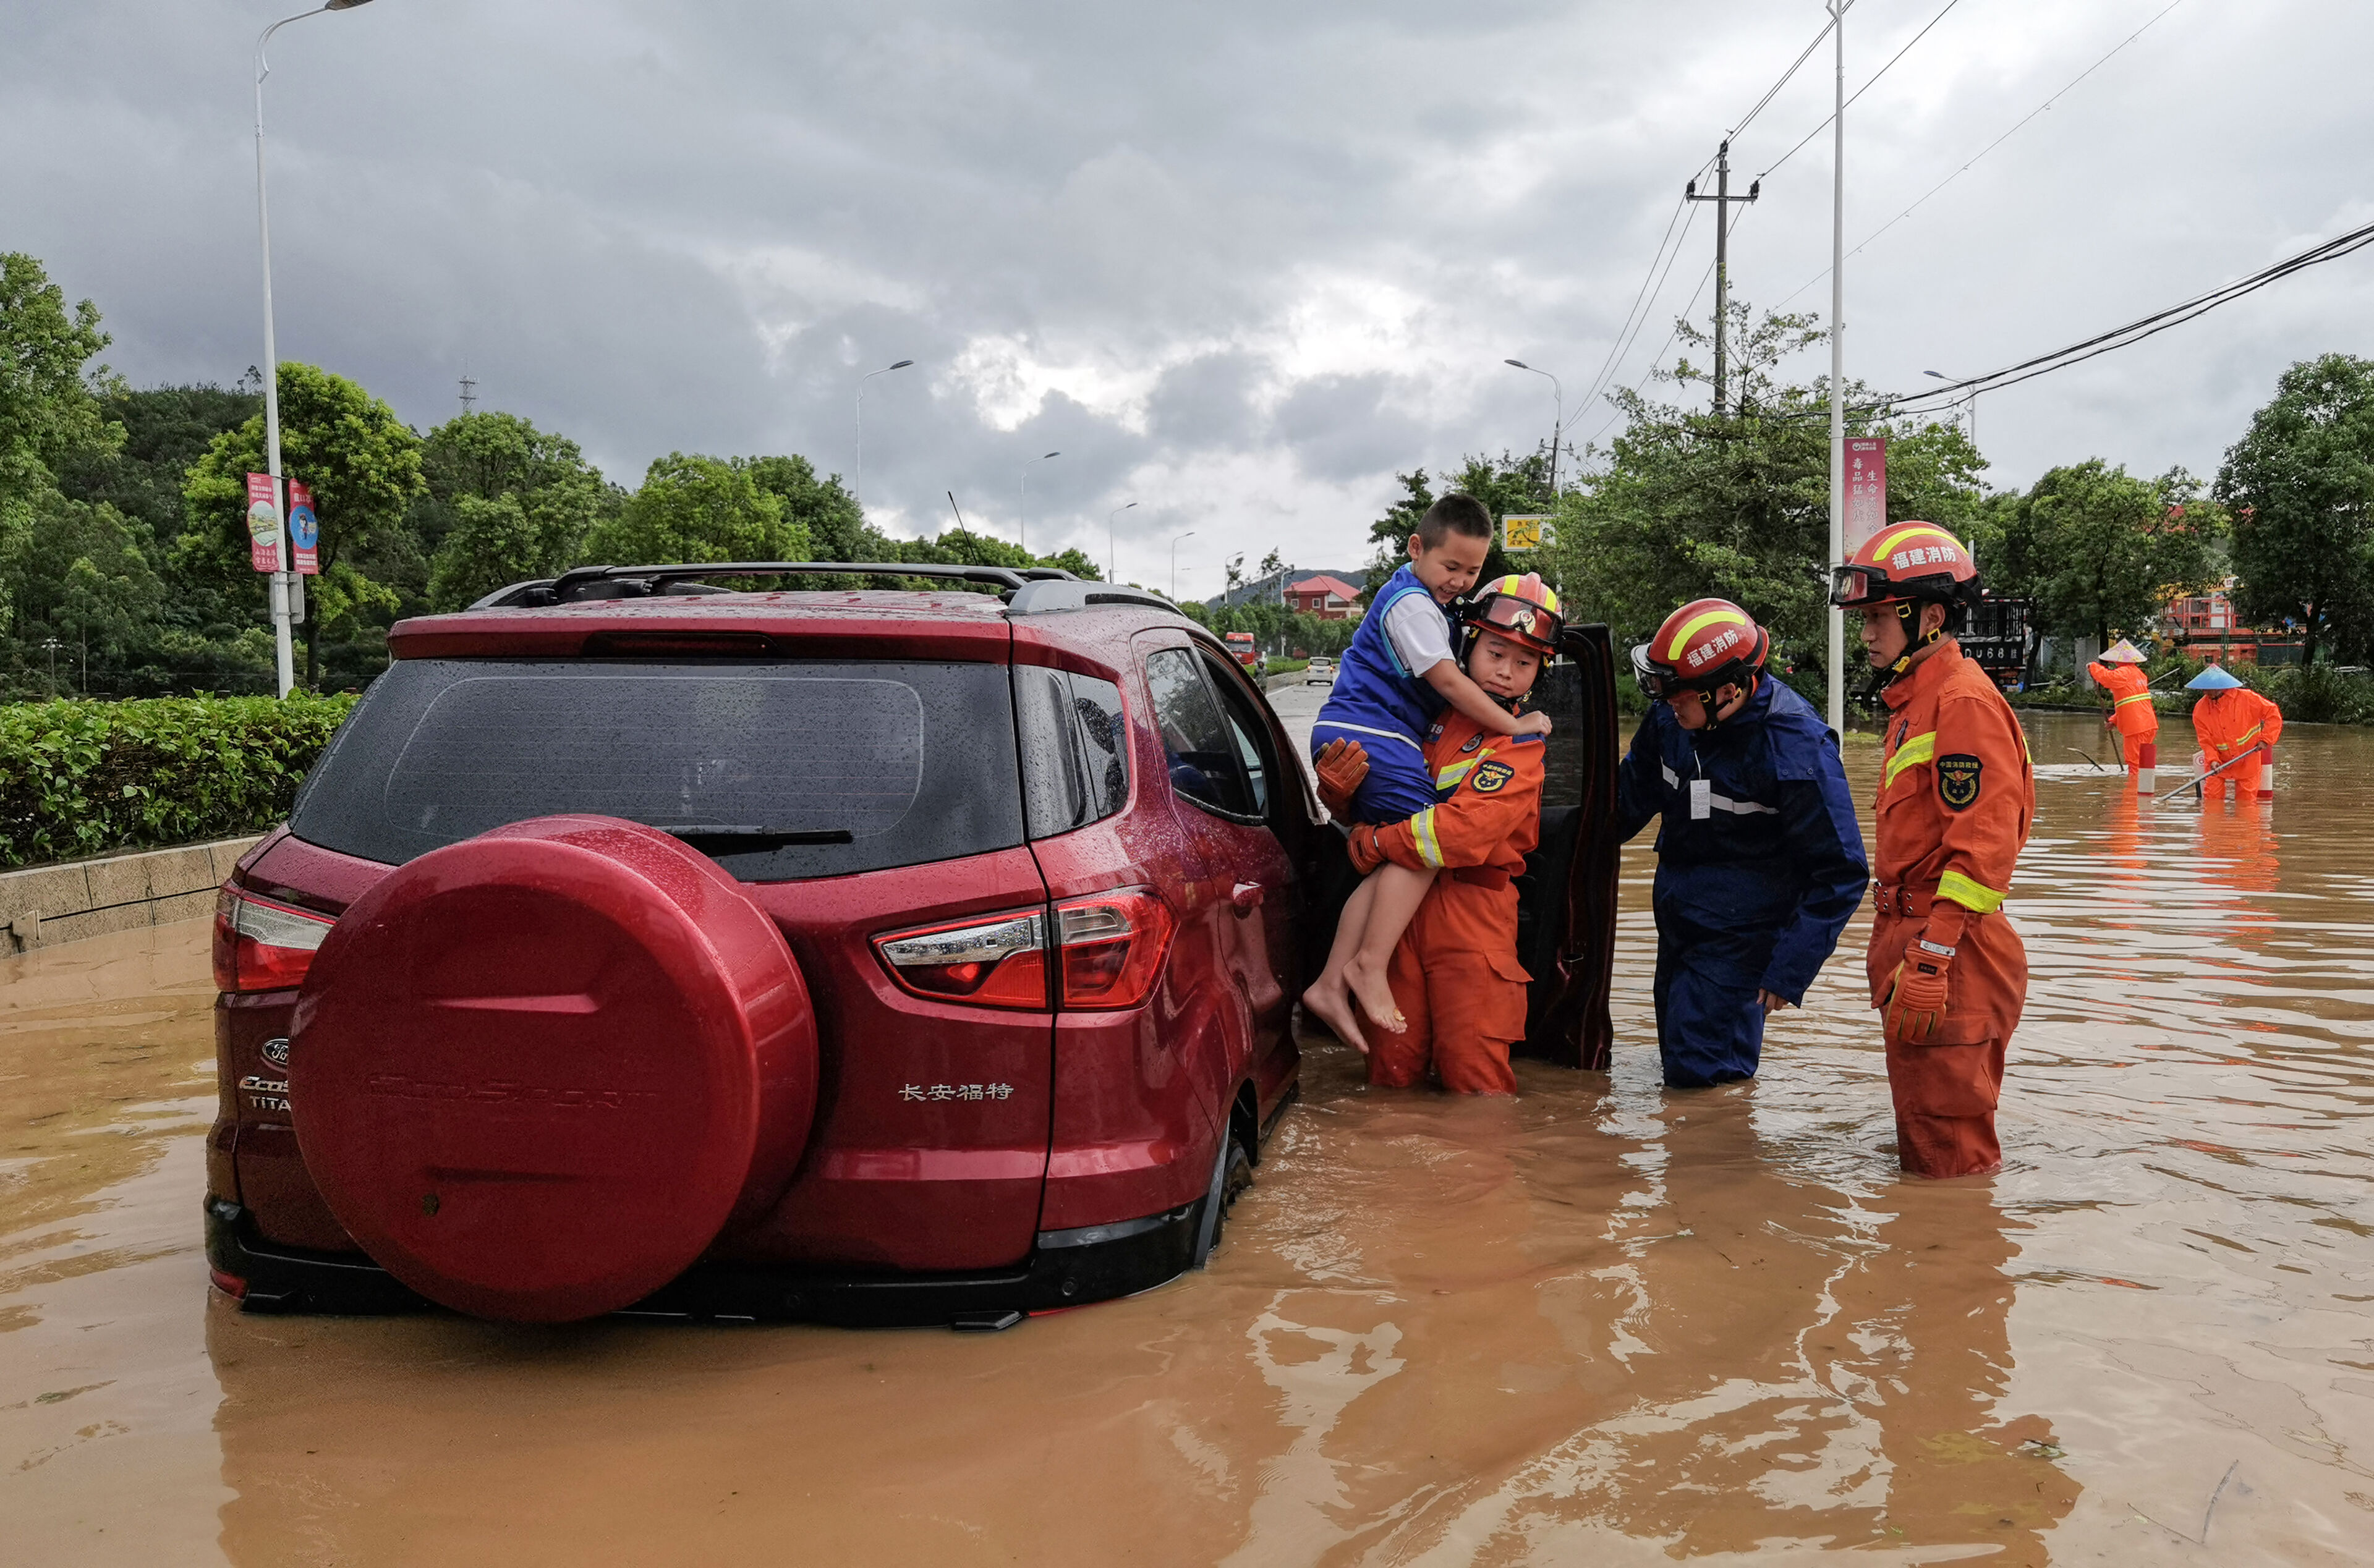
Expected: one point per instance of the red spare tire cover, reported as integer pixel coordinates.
(537, 1072)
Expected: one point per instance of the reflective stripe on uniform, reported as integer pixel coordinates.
(1429, 849)
(1450, 777)
(1919, 749)
(2139, 697)
(1739, 808)
(1367, 729)
(1972, 896)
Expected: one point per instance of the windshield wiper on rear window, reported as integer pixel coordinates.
(730, 838)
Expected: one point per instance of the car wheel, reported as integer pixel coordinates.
(537, 1074)
(1232, 1172)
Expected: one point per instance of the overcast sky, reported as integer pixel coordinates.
(1237, 262)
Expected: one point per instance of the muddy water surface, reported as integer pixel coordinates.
(1605, 1323)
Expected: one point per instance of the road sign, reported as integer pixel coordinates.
(262, 523)
(1866, 490)
(304, 530)
(1524, 533)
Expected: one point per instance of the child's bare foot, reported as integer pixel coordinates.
(1367, 986)
(1331, 1004)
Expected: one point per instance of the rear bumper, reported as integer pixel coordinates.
(1064, 1269)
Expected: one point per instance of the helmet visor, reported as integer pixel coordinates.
(1854, 584)
(1520, 619)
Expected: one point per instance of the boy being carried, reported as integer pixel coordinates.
(1393, 682)
(1454, 973)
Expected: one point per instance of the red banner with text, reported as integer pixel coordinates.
(262, 523)
(1866, 490)
(304, 530)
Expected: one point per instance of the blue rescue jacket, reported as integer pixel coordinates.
(1374, 694)
(1769, 849)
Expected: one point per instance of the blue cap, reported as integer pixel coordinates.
(2212, 680)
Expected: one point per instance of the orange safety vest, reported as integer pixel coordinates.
(2229, 723)
(2132, 713)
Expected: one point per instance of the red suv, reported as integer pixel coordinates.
(859, 956)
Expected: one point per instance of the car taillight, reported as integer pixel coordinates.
(998, 961)
(1110, 948)
(262, 946)
(1114, 944)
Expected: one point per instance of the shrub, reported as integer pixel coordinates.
(80, 778)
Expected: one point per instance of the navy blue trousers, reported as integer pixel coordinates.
(1710, 1023)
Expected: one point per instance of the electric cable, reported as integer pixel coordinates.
(1858, 92)
(1616, 344)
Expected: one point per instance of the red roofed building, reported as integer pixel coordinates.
(1329, 598)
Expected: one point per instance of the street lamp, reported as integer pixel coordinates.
(1558, 431)
(1022, 525)
(281, 579)
(1174, 561)
(1970, 403)
(859, 496)
(1112, 561)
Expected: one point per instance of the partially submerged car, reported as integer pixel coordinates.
(865, 957)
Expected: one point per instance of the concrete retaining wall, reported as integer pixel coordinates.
(48, 905)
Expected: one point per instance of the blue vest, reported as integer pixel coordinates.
(1375, 695)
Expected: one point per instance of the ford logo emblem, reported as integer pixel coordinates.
(276, 1052)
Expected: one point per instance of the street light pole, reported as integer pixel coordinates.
(1174, 561)
(1837, 693)
(1022, 524)
(1969, 403)
(280, 588)
(860, 495)
(1112, 561)
(1558, 431)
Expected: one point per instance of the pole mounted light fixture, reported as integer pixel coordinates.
(1174, 561)
(1113, 560)
(858, 492)
(284, 585)
(1022, 525)
(1557, 430)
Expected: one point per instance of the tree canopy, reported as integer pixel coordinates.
(2300, 485)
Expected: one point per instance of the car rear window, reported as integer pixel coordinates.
(778, 771)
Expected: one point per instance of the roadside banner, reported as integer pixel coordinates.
(1866, 490)
(304, 530)
(1523, 532)
(262, 523)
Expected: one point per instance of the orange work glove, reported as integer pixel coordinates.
(1341, 764)
(1916, 999)
(1362, 843)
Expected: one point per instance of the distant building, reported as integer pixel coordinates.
(1337, 602)
(1329, 598)
(2206, 627)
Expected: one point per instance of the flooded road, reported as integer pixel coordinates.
(1605, 1323)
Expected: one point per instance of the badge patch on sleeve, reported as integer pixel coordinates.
(1492, 776)
(1472, 742)
(1959, 777)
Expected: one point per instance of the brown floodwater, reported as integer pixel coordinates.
(1605, 1323)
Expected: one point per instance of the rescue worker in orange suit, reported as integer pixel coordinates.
(1456, 975)
(2119, 671)
(1956, 798)
(1760, 860)
(2229, 721)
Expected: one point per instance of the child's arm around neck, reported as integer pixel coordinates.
(1480, 705)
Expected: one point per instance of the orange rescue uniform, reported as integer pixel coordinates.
(1456, 975)
(1956, 796)
(2132, 716)
(2231, 723)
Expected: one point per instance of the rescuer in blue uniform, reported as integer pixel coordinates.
(1760, 860)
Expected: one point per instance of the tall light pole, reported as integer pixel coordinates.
(283, 580)
(1969, 403)
(1022, 525)
(1837, 693)
(1557, 430)
(1112, 561)
(860, 497)
(1174, 561)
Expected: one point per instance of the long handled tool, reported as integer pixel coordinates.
(2196, 784)
(2098, 766)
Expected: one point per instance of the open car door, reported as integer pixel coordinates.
(1566, 900)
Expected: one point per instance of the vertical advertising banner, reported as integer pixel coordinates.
(262, 523)
(1866, 489)
(304, 530)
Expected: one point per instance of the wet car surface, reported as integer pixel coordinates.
(1602, 1323)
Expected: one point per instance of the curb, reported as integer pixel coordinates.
(44, 906)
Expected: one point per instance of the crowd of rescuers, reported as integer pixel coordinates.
(1425, 753)
(2237, 733)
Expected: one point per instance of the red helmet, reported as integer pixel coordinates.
(1917, 562)
(1704, 646)
(1522, 609)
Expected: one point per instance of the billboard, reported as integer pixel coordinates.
(262, 523)
(304, 530)
(1866, 460)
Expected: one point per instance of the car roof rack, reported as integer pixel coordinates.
(1026, 591)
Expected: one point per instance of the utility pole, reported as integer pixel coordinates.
(1837, 693)
(1723, 198)
(469, 391)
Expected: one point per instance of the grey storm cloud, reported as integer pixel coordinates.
(1237, 262)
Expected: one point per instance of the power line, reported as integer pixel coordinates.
(1858, 92)
(1774, 90)
(1982, 152)
(1658, 293)
(1615, 347)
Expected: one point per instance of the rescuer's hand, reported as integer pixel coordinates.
(1362, 845)
(1916, 1003)
(1341, 764)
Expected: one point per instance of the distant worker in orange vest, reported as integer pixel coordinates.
(2131, 719)
(1956, 798)
(2231, 721)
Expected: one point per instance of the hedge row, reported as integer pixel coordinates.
(93, 777)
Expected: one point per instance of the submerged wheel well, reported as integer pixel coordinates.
(1244, 1120)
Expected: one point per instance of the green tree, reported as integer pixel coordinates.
(50, 409)
(81, 575)
(836, 529)
(1505, 485)
(2300, 485)
(363, 464)
(698, 509)
(501, 501)
(2101, 551)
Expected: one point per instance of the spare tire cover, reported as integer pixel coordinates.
(537, 1072)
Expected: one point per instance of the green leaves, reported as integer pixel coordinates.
(2300, 484)
(699, 508)
(90, 778)
(2102, 550)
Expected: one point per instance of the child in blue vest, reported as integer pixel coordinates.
(1392, 682)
